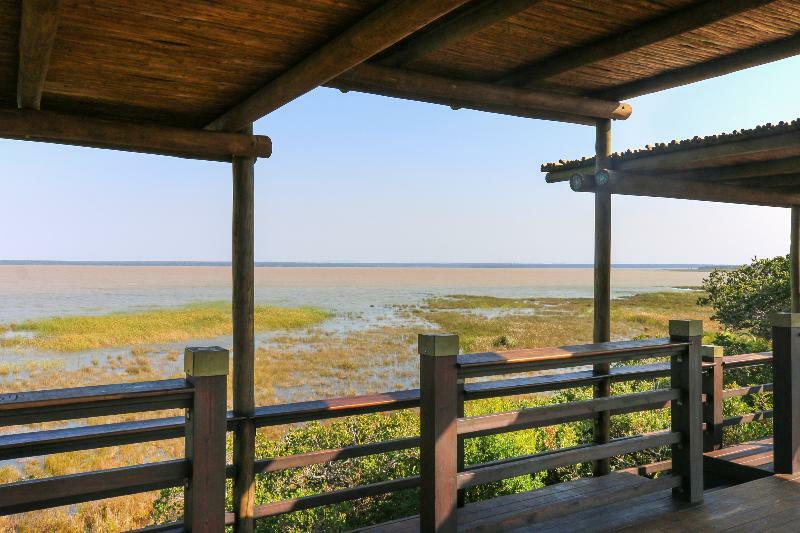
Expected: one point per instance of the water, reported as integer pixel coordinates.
(35, 291)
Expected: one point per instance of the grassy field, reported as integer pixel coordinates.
(535, 322)
(201, 320)
(301, 362)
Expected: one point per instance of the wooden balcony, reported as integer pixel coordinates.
(705, 486)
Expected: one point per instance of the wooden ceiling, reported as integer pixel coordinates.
(189, 63)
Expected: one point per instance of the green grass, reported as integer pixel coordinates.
(557, 321)
(201, 320)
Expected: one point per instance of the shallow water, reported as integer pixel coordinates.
(34, 291)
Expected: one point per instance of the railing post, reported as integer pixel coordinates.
(460, 412)
(712, 388)
(687, 412)
(204, 497)
(438, 432)
(786, 392)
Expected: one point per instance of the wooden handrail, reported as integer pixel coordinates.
(492, 363)
(85, 402)
(480, 474)
(565, 412)
(35, 494)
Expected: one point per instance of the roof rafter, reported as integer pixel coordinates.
(387, 25)
(38, 28)
(681, 21)
(387, 80)
(751, 57)
(655, 187)
(457, 28)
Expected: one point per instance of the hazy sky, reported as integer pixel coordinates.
(365, 178)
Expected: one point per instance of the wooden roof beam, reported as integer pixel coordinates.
(39, 23)
(387, 80)
(31, 125)
(779, 146)
(461, 25)
(677, 23)
(751, 57)
(642, 185)
(456, 104)
(389, 24)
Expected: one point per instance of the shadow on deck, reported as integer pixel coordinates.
(742, 495)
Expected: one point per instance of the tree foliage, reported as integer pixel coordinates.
(744, 298)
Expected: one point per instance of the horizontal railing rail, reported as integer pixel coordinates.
(86, 402)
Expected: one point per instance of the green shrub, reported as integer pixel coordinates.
(744, 298)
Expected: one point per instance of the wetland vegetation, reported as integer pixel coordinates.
(303, 359)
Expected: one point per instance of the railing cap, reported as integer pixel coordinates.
(685, 328)
(785, 320)
(206, 361)
(711, 351)
(438, 344)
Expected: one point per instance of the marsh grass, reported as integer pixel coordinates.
(202, 320)
(557, 321)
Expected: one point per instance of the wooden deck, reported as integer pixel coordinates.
(746, 496)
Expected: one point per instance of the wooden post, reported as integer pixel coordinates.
(687, 412)
(786, 392)
(794, 259)
(438, 432)
(602, 285)
(244, 439)
(204, 497)
(460, 413)
(712, 388)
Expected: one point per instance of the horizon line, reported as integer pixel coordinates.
(351, 264)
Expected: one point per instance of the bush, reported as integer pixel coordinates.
(744, 298)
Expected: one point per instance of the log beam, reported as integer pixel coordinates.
(243, 313)
(456, 104)
(602, 288)
(677, 23)
(751, 57)
(641, 185)
(38, 27)
(389, 24)
(461, 25)
(794, 258)
(30, 125)
(780, 146)
(375, 78)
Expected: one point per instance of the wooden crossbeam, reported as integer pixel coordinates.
(751, 57)
(742, 171)
(387, 25)
(780, 146)
(37, 34)
(642, 185)
(379, 79)
(461, 25)
(61, 128)
(679, 22)
(456, 104)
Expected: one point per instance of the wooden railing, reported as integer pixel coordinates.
(685, 436)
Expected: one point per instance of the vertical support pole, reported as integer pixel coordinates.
(687, 412)
(243, 263)
(204, 497)
(794, 259)
(602, 285)
(460, 413)
(712, 388)
(786, 392)
(438, 432)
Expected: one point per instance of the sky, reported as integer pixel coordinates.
(366, 178)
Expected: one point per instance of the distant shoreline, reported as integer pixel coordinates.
(300, 264)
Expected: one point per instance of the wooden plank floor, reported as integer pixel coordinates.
(518, 510)
(634, 503)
